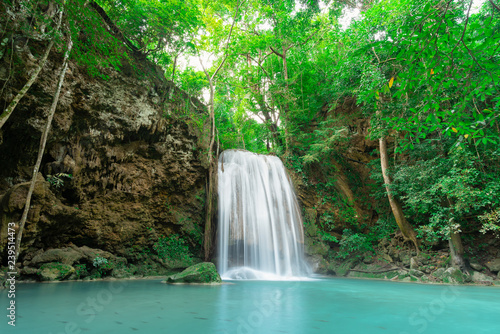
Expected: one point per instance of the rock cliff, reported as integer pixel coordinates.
(125, 160)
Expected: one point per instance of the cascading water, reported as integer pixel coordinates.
(260, 232)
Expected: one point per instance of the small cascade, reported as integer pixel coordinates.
(260, 232)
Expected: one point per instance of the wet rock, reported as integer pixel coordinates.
(319, 265)
(204, 272)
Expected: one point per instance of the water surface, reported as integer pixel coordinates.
(319, 306)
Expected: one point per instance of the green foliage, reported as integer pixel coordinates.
(80, 271)
(157, 28)
(173, 248)
(102, 265)
(491, 222)
(192, 82)
(353, 244)
(443, 192)
(100, 262)
(326, 141)
(383, 228)
(57, 180)
(95, 47)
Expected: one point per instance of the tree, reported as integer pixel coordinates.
(212, 166)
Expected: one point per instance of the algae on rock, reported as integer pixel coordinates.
(204, 272)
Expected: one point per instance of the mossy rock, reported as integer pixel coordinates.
(314, 246)
(343, 268)
(438, 273)
(55, 271)
(453, 276)
(357, 274)
(204, 272)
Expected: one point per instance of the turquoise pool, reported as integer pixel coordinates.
(316, 306)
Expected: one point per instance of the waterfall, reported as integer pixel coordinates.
(260, 233)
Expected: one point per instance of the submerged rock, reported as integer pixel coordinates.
(204, 272)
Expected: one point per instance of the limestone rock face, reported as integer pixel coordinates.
(204, 272)
(125, 162)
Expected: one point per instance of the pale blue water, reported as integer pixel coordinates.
(321, 306)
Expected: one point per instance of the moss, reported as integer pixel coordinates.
(55, 271)
(204, 272)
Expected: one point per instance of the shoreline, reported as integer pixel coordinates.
(494, 283)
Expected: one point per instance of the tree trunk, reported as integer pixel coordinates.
(285, 67)
(269, 121)
(13, 104)
(174, 65)
(212, 175)
(457, 251)
(43, 142)
(213, 165)
(396, 207)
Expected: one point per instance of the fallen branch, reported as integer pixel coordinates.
(376, 271)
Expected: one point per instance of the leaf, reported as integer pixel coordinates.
(454, 130)
(391, 82)
(432, 71)
(466, 136)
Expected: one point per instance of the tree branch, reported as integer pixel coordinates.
(494, 5)
(276, 52)
(227, 42)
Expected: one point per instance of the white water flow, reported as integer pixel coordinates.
(260, 232)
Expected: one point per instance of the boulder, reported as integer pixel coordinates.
(494, 265)
(55, 271)
(480, 277)
(476, 266)
(438, 273)
(453, 276)
(343, 268)
(204, 272)
(386, 257)
(416, 273)
(413, 263)
(63, 255)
